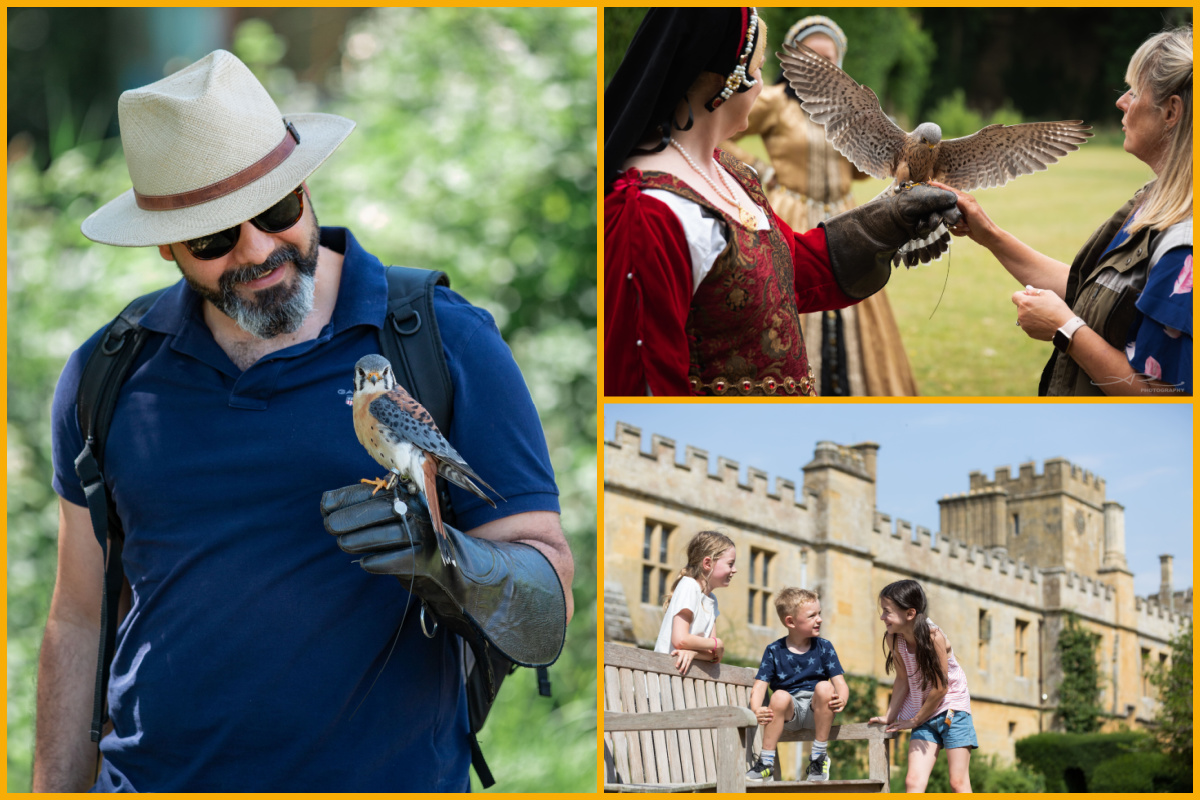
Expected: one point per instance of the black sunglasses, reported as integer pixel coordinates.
(276, 219)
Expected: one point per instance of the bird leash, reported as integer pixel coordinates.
(400, 509)
(949, 255)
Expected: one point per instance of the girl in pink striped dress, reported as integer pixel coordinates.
(930, 694)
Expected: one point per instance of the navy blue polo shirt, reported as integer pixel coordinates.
(252, 639)
(792, 672)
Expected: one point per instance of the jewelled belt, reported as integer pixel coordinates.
(723, 386)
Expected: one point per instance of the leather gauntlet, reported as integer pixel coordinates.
(501, 596)
(863, 240)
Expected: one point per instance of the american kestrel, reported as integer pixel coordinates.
(400, 434)
(857, 127)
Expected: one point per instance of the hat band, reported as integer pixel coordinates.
(170, 202)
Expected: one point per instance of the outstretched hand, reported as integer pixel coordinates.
(975, 222)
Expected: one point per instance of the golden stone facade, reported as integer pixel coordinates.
(1013, 557)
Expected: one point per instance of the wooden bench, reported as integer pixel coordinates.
(666, 732)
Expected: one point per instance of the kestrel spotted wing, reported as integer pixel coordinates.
(854, 122)
(998, 153)
(401, 416)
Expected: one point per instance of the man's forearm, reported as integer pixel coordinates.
(65, 758)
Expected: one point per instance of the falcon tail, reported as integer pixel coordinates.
(429, 491)
(462, 476)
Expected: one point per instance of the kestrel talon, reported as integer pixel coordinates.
(400, 434)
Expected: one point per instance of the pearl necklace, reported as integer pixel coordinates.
(748, 219)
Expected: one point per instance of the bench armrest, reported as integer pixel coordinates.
(686, 718)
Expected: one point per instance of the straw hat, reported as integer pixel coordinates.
(207, 149)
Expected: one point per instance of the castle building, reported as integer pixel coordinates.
(1015, 555)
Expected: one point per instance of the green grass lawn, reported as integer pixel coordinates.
(971, 345)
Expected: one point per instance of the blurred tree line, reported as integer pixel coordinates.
(1032, 63)
(474, 154)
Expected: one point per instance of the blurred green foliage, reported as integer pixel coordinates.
(850, 756)
(895, 66)
(988, 774)
(955, 119)
(1079, 692)
(474, 154)
(1068, 760)
(1046, 63)
(1145, 771)
(1175, 721)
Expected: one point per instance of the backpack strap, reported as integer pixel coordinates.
(99, 385)
(418, 362)
(410, 340)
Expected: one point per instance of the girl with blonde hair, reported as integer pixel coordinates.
(691, 609)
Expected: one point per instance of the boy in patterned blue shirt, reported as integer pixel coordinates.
(803, 673)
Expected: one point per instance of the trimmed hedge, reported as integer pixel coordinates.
(1137, 772)
(1069, 761)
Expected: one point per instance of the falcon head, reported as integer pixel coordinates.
(373, 373)
(928, 134)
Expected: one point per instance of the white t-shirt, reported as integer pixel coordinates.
(688, 595)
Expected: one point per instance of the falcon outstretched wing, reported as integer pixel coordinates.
(854, 122)
(998, 153)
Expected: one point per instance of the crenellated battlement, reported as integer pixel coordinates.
(952, 561)
(1058, 475)
(1150, 608)
(713, 487)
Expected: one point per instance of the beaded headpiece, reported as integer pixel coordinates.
(670, 50)
(753, 44)
(818, 24)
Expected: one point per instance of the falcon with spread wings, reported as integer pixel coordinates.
(857, 127)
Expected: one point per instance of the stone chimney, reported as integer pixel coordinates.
(1114, 536)
(1166, 592)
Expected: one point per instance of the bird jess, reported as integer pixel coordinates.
(400, 434)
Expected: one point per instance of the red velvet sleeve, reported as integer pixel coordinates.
(816, 289)
(647, 295)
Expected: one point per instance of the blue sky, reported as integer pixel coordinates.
(1143, 452)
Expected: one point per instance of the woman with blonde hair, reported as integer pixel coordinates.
(1120, 316)
(856, 350)
(691, 609)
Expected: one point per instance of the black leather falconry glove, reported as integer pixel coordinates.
(863, 240)
(502, 597)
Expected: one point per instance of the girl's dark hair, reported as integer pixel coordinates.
(909, 594)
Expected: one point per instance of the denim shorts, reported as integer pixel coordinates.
(802, 716)
(960, 733)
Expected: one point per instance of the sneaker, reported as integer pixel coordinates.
(759, 772)
(818, 769)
